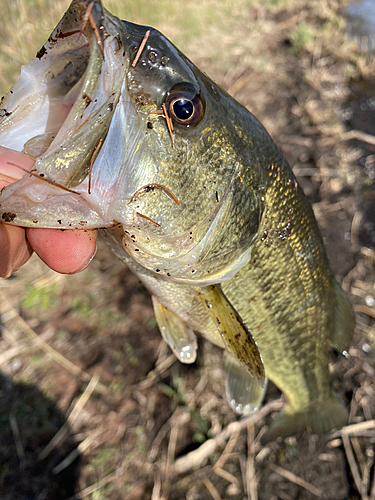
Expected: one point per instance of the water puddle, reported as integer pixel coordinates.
(361, 23)
(360, 113)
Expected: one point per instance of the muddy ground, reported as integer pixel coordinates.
(92, 403)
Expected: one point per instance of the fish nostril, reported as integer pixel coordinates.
(152, 56)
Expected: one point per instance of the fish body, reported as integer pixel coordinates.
(193, 196)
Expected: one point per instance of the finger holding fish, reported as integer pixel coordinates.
(65, 252)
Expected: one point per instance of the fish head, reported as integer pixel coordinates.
(129, 135)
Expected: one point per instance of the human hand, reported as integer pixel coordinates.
(66, 252)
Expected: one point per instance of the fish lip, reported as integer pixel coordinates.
(60, 42)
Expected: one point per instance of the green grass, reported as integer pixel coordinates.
(40, 298)
(195, 27)
(85, 306)
(301, 36)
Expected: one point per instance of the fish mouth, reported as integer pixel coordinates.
(59, 113)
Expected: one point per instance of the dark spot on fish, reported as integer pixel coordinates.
(217, 196)
(150, 125)
(41, 175)
(157, 270)
(4, 112)
(168, 274)
(41, 52)
(284, 232)
(11, 91)
(82, 222)
(87, 99)
(264, 235)
(136, 249)
(59, 221)
(218, 321)
(208, 304)
(1, 100)
(193, 270)
(64, 229)
(110, 106)
(237, 337)
(132, 236)
(8, 216)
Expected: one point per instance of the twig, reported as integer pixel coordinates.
(81, 448)
(353, 465)
(89, 17)
(283, 495)
(367, 471)
(227, 450)
(156, 490)
(169, 122)
(251, 480)
(155, 448)
(195, 458)
(295, 479)
(211, 488)
(14, 351)
(360, 458)
(240, 82)
(43, 179)
(176, 424)
(150, 187)
(92, 162)
(17, 439)
(372, 493)
(154, 374)
(360, 136)
(228, 476)
(355, 429)
(140, 49)
(364, 310)
(61, 433)
(94, 487)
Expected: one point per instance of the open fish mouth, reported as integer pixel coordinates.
(59, 113)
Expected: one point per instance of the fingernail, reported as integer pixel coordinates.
(89, 261)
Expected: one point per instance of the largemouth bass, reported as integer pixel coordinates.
(193, 195)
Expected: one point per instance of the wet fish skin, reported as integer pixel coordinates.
(242, 222)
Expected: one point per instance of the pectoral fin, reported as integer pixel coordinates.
(243, 390)
(175, 332)
(342, 334)
(238, 341)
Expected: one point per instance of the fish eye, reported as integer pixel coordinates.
(184, 105)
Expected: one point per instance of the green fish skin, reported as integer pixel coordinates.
(199, 202)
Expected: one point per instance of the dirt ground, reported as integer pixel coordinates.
(92, 402)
